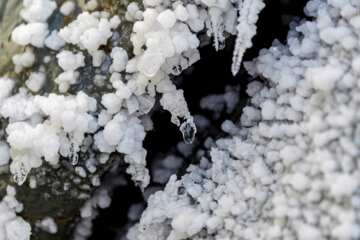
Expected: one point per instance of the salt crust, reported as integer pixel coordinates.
(289, 171)
(12, 227)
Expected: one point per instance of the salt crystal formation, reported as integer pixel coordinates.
(55, 125)
(289, 171)
(285, 170)
(12, 227)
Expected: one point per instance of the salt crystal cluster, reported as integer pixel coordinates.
(165, 41)
(12, 227)
(37, 10)
(23, 60)
(168, 35)
(89, 31)
(54, 41)
(36, 81)
(33, 139)
(69, 62)
(35, 13)
(289, 171)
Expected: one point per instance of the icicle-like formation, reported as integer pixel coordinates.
(246, 29)
(20, 174)
(73, 156)
(217, 28)
(188, 130)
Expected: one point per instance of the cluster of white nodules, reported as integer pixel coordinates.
(290, 169)
(12, 227)
(7, 86)
(90, 30)
(69, 62)
(36, 14)
(168, 33)
(33, 139)
(36, 81)
(23, 60)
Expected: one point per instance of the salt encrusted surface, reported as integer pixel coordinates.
(12, 227)
(37, 10)
(290, 171)
(228, 196)
(88, 31)
(23, 60)
(32, 139)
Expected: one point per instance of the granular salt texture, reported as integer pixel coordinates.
(167, 18)
(88, 31)
(67, 8)
(14, 107)
(120, 59)
(32, 141)
(4, 153)
(91, 5)
(181, 13)
(65, 79)
(31, 33)
(36, 81)
(54, 41)
(12, 227)
(171, 46)
(111, 102)
(70, 61)
(125, 133)
(133, 12)
(114, 22)
(291, 174)
(23, 60)
(7, 86)
(37, 10)
(167, 33)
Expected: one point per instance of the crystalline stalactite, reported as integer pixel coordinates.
(216, 26)
(20, 174)
(246, 29)
(73, 155)
(188, 130)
